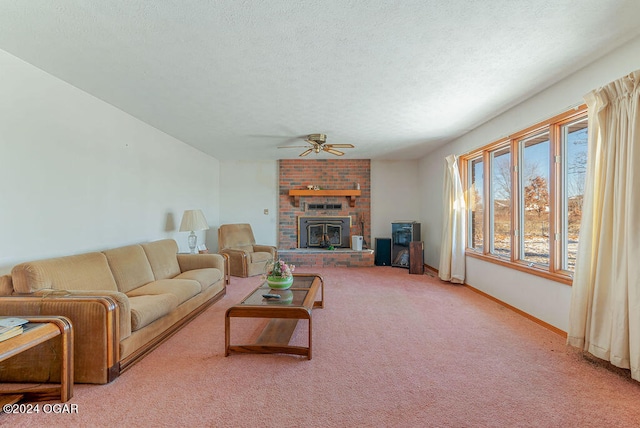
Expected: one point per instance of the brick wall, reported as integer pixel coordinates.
(320, 259)
(328, 174)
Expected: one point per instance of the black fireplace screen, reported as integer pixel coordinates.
(324, 235)
(322, 232)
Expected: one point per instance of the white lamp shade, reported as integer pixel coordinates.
(193, 220)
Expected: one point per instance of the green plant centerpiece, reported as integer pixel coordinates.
(279, 274)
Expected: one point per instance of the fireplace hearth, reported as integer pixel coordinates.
(324, 231)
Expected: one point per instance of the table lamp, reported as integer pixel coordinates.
(193, 220)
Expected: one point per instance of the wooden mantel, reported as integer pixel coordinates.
(351, 194)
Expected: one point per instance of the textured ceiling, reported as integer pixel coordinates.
(236, 79)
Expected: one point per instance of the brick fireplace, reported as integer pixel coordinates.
(326, 174)
(343, 191)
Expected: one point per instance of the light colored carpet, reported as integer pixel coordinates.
(390, 349)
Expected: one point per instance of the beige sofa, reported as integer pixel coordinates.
(122, 304)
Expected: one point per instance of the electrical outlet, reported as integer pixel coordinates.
(266, 211)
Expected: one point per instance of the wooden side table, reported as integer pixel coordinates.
(47, 328)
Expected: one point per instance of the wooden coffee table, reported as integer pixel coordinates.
(295, 304)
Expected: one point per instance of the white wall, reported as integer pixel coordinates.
(395, 195)
(247, 188)
(544, 299)
(78, 174)
(430, 176)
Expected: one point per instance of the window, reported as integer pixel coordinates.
(534, 216)
(527, 213)
(574, 167)
(475, 203)
(501, 202)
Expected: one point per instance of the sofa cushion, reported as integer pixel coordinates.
(183, 289)
(163, 258)
(206, 277)
(89, 271)
(129, 266)
(146, 309)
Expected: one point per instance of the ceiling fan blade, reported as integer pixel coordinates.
(341, 146)
(332, 151)
(292, 147)
(306, 152)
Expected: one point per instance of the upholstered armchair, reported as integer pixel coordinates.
(245, 257)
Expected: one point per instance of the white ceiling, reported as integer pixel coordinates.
(236, 79)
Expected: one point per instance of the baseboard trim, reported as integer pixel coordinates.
(519, 312)
(508, 306)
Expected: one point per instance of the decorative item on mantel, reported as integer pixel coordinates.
(279, 274)
(193, 220)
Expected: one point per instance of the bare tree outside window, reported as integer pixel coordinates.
(501, 197)
(536, 197)
(534, 192)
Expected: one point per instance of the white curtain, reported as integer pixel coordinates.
(605, 301)
(452, 262)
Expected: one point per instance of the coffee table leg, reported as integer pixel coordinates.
(227, 334)
(310, 336)
(66, 371)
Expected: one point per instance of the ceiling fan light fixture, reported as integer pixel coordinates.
(317, 138)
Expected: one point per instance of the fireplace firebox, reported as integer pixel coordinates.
(324, 231)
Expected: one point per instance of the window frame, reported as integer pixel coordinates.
(469, 203)
(556, 186)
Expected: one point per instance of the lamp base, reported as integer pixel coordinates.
(192, 239)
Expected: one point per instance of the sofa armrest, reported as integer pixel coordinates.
(6, 285)
(237, 261)
(95, 321)
(121, 299)
(200, 261)
(266, 249)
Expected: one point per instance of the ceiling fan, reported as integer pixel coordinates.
(318, 144)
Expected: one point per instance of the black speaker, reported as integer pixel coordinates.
(383, 252)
